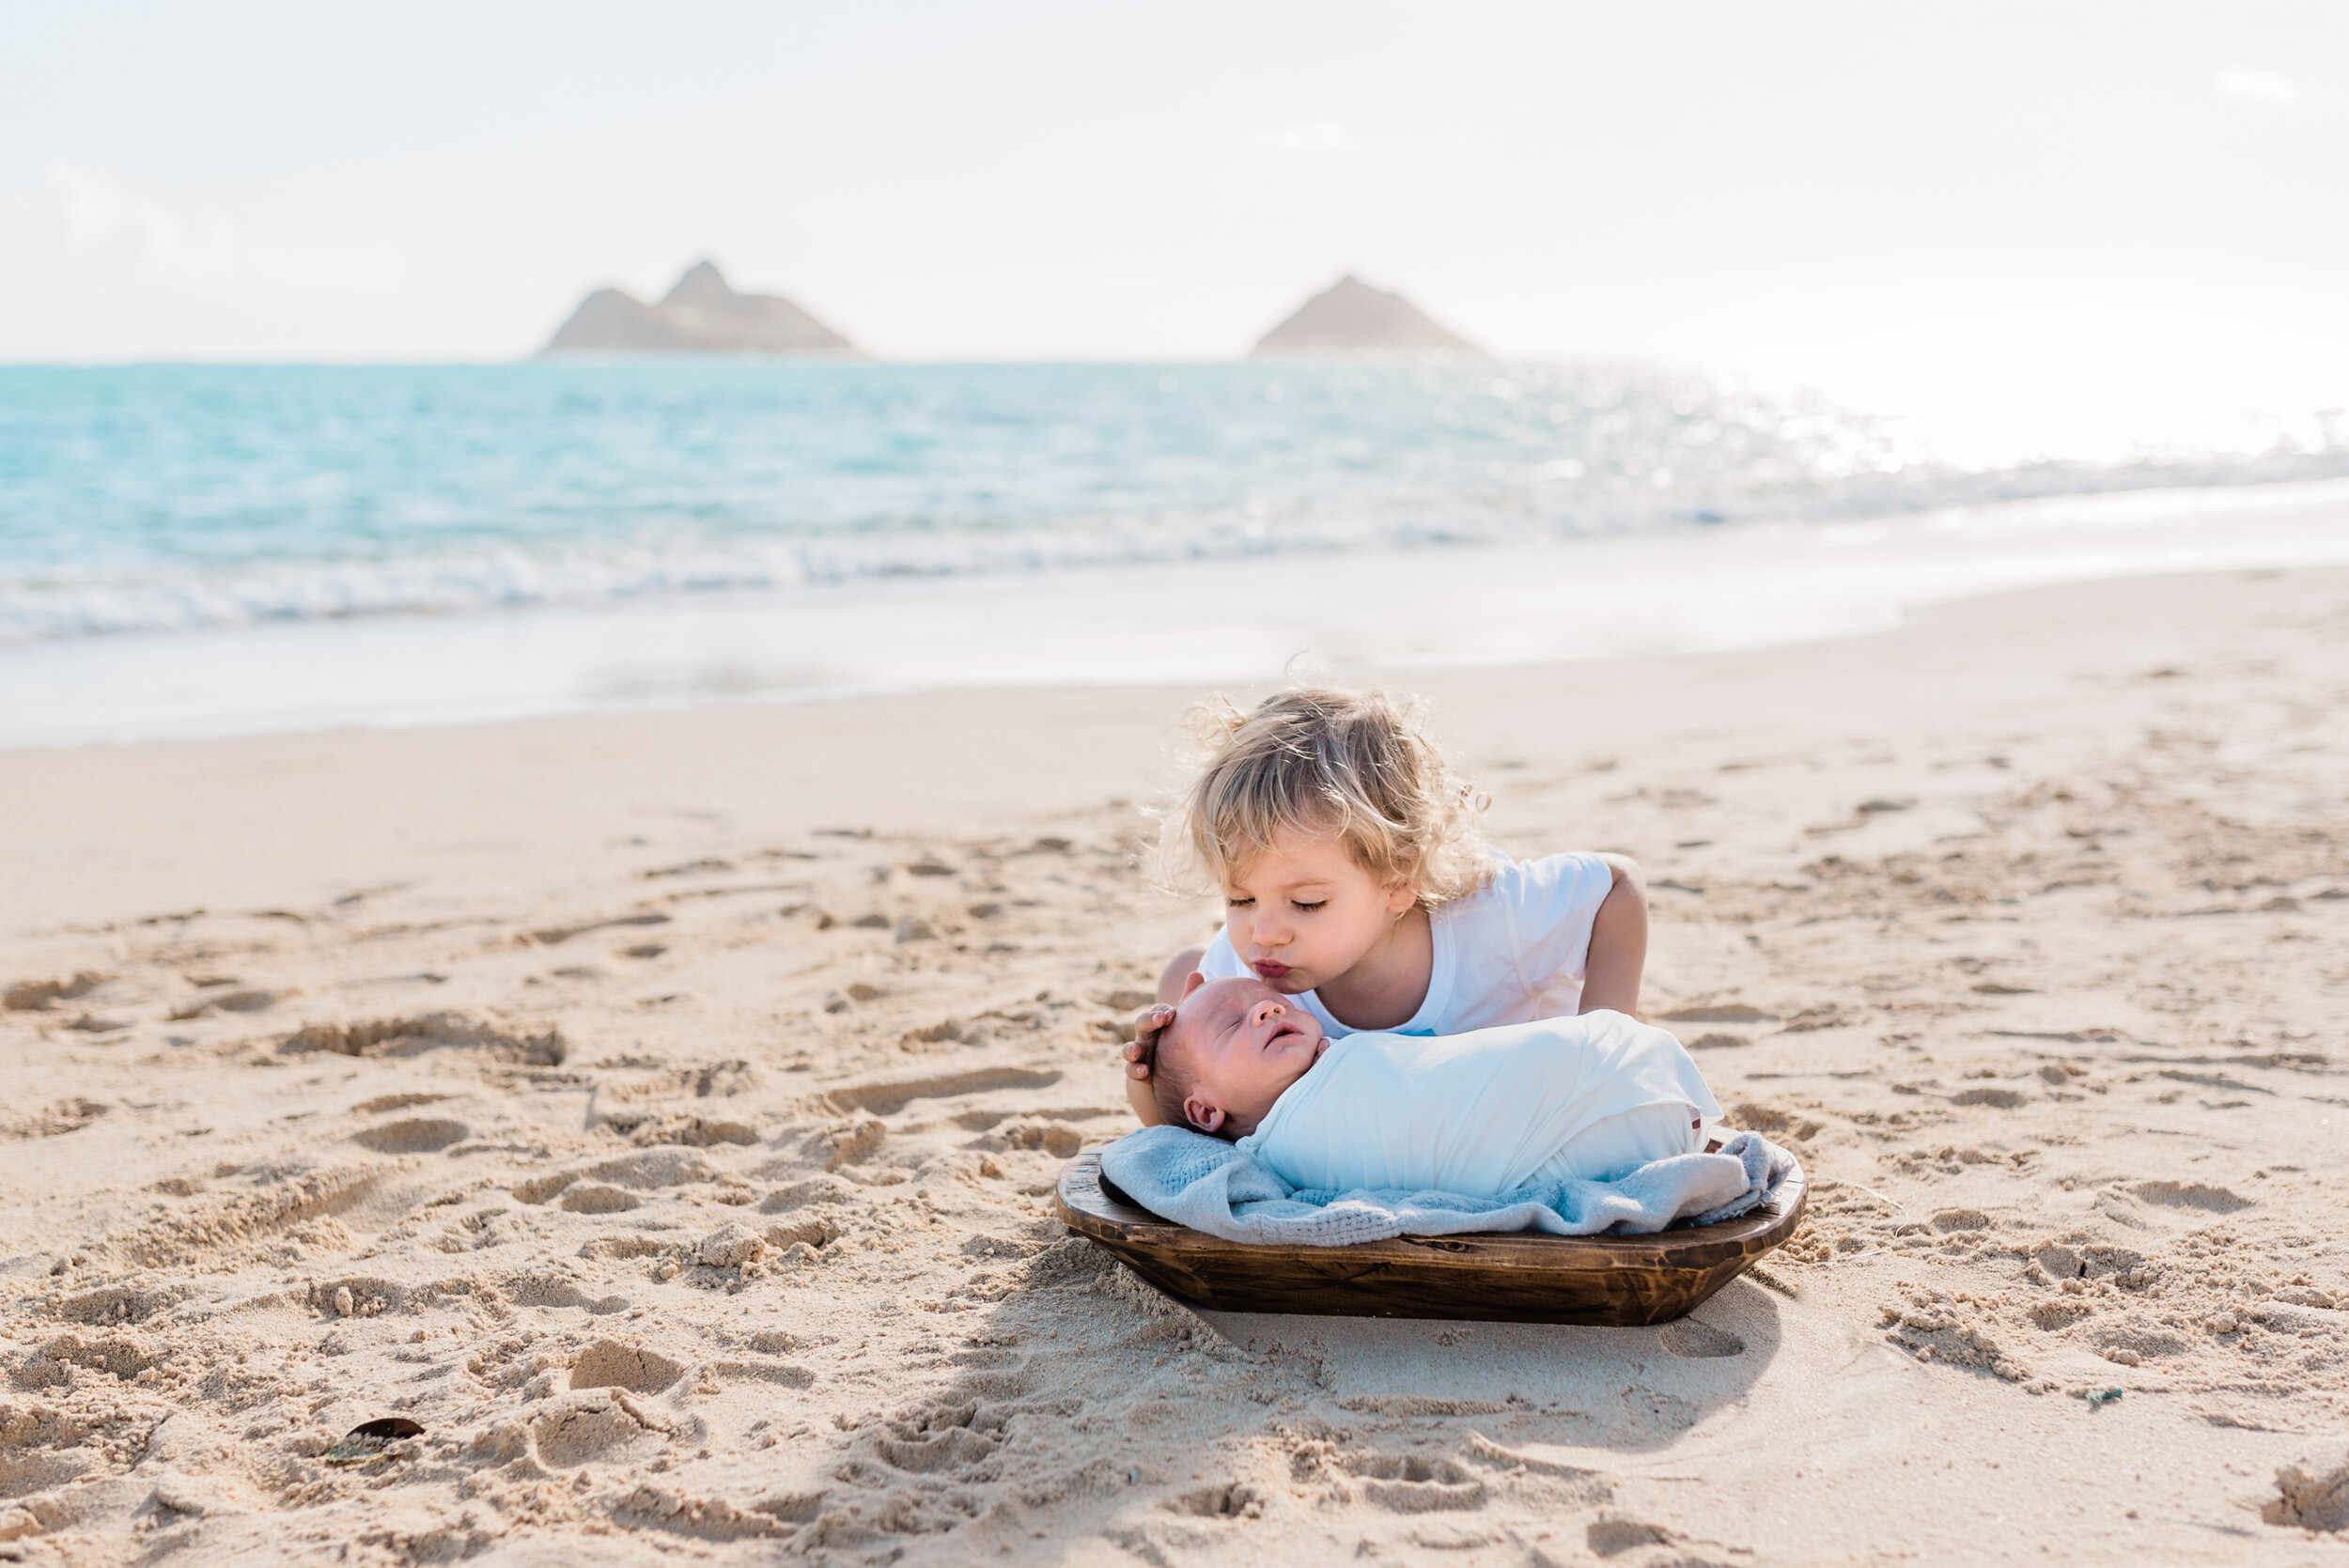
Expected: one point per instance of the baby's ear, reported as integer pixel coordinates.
(1200, 1115)
(1192, 980)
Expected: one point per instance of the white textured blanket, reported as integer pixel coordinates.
(1215, 1186)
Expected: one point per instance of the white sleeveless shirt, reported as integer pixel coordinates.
(1511, 952)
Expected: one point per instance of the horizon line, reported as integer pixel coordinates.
(1358, 360)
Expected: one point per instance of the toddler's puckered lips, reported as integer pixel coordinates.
(1267, 970)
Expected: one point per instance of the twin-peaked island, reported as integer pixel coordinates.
(704, 315)
(701, 314)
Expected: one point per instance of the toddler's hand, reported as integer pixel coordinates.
(1139, 1050)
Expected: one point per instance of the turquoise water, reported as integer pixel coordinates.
(173, 498)
(210, 550)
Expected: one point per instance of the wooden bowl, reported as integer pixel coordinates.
(1518, 1277)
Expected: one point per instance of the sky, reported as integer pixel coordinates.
(2059, 223)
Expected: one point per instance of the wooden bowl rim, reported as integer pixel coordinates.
(1088, 1204)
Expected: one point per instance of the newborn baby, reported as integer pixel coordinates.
(1482, 1113)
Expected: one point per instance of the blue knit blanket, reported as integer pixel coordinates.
(1211, 1186)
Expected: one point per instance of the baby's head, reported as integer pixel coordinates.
(1235, 1045)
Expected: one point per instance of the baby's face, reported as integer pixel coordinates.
(1244, 1043)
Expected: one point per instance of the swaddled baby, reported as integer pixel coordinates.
(1482, 1113)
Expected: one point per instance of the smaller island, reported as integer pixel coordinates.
(702, 315)
(1351, 319)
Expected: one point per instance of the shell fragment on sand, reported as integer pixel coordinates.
(370, 1442)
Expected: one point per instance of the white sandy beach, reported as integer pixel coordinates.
(662, 1108)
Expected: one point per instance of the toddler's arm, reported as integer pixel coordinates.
(1610, 975)
(1146, 1026)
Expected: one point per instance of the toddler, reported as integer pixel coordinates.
(1354, 886)
(1482, 1113)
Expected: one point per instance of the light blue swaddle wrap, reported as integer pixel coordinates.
(1485, 1110)
(1212, 1186)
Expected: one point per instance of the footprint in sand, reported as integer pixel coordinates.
(56, 1121)
(420, 1135)
(228, 1002)
(1614, 1537)
(938, 1440)
(609, 1364)
(887, 1100)
(2194, 1195)
(554, 934)
(412, 1036)
(596, 1198)
(640, 1173)
(35, 996)
(1230, 1499)
(1413, 1483)
(577, 1429)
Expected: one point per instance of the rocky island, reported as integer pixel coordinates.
(1350, 318)
(701, 314)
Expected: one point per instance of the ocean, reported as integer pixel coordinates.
(188, 551)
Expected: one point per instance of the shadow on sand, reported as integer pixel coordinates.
(1629, 1389)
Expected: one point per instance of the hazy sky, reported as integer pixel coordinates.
(2118, 214)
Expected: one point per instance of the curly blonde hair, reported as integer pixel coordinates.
(1357, 768)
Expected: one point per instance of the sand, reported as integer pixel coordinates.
(661, 1111)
